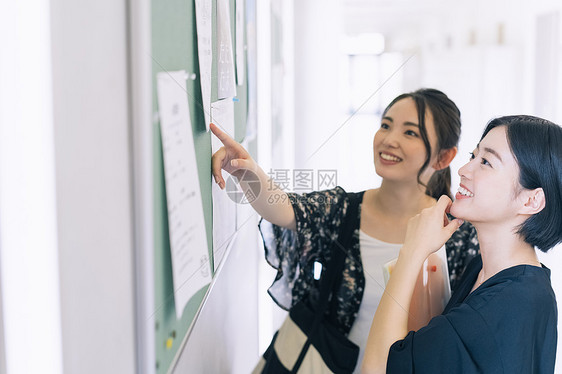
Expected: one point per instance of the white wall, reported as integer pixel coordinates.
(318, 26)
(65, 188)
(93, 185)
(28, 242)
(3, 369)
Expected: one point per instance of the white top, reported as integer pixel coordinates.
(374, 255)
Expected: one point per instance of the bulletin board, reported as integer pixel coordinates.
(173, 48)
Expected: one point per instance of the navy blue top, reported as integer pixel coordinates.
(507, 325)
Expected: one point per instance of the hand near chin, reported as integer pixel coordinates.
(429, 230)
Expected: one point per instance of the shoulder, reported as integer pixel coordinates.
(319, 211)
(520, 293)
(519, 313)
(531, 284)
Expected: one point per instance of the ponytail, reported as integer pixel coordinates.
(440, 184)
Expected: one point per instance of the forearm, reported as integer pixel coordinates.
(269, 201)
(390, 323)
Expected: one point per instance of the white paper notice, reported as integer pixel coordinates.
(205, 51)
(224, 208)
(240, 46)
(188, 238)
(222, 115)
(226, 78)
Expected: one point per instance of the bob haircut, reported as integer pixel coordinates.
(536, 145)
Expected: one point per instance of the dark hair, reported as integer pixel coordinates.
(447, 119)
(536, 145)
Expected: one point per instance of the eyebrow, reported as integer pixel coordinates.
(405, 123)
(490, 150)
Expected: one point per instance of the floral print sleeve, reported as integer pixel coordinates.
(462, 247)
(293, 253)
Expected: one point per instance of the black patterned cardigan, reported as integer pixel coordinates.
(318, 217)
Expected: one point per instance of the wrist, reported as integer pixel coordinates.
(411, 255)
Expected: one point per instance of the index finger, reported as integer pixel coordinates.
(223, 137)
(444, 203)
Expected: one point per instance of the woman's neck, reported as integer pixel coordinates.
(401, 199)
(501, 249)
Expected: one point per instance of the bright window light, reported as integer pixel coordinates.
(28, 230)
(364, 44)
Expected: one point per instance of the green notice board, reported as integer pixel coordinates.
(174, 47)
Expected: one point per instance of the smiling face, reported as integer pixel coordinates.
(399, 151)
(489, 188)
